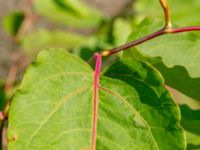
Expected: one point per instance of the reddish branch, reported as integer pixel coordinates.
(149, 37)
(166, 30)
(97, 71)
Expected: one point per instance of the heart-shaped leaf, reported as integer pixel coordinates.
(53, 109)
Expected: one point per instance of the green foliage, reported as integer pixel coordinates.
(190, 121)
(68, 12)
(120, 36)
(13, 21)
(183, 12)
(180, 49)
(140, 93)
(56, 39)
(2, 95)
(135, 112)
(178, 78)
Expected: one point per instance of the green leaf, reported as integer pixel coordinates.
(183, 99)
(178, 78)
(184, 88)
(191, 121)
(49, 39)
(53, 108)
(183, 12)
(121, 30)
(73, 13)
(2, 96)
(12, 22)
(178, 49)
(193, 141)
(153, 102)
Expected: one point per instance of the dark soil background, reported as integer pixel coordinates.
(9, 52)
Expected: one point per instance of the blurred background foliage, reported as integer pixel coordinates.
(86, 26)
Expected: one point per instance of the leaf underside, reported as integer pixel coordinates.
(181, 49)
(54, 106)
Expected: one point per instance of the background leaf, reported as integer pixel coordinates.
(13, 21)
(53, 39)
(183, 12)
(190, 121)
(178, 49)
(73, 13)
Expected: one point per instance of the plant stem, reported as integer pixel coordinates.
(166, 10)
(186, 29)
(149, 37)
(133, 43)
(97, 71)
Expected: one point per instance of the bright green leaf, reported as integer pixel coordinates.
(121, 30)
(53, 108)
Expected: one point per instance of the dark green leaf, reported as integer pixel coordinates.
(13, 21)
(2, 96)
(191, 121)
(178, 78)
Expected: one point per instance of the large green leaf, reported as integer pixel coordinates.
(54, 106)
(183, 12)
(73, 13)
(177, 49)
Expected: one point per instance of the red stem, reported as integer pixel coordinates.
(97, 71)
(149, 37)
(186, 29)
(136, 42)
